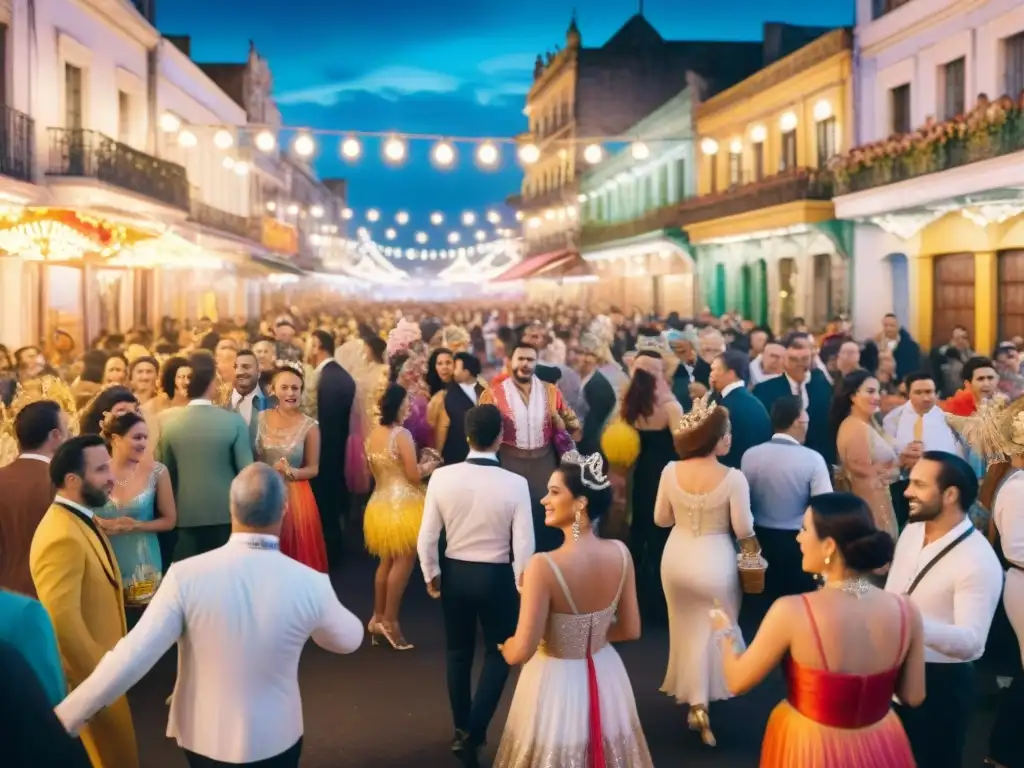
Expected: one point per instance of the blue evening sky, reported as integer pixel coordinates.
(450, 67)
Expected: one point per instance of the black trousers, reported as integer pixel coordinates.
(471, 593)
(287, 759)
(938, 728)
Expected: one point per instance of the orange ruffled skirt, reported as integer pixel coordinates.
(302, 534)
(795, 741)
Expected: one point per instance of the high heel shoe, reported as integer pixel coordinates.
(698, 720)
(393, 634)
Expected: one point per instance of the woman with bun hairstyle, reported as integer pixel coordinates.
(707, 506)
(574, 704)
(141, 505)
(845, 649)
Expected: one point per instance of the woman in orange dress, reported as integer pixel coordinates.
(289, 441)
(846, 649)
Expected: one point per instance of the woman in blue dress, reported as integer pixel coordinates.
(141, 505)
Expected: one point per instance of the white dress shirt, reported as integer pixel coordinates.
(957, 597)
(241, 616)
(35, 457)
(530, 417)
(730, 387)
(200, 401)
(477, 506)
(244, 403)
(799, 388)
(470, 390)
(899, 423)
(58, 499)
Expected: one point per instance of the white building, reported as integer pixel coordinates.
(136, 196)
(939, 237)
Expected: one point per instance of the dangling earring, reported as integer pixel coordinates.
(576, 526)
(828, 559)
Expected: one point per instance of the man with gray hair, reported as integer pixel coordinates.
(241, 616)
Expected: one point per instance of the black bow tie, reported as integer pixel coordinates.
(484, 462)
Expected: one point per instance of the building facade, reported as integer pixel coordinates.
(934, 187)
(762, 228)
(627, 207)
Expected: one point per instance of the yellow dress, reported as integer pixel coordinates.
(391, 523)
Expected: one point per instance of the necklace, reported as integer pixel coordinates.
(125, 482)
(857, 586)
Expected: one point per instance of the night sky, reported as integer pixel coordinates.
(455, 67)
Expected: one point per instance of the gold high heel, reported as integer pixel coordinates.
(698, 720)
(393, 634)
(373, 628)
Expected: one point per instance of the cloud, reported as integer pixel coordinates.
(501, 94)
(509, 64)
(388, 83)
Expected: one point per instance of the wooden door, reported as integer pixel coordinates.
(954, 296)
(1011, 294)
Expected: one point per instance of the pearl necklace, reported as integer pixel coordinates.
(857, 586)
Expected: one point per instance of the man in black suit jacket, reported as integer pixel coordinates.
(599, 395)
(748, 418)
(447, 410)
(692, 369)
(811, 386)
(335, 395)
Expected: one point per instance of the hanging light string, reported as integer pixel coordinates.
(457, 247)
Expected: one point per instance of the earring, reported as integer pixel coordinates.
(576, 526)
(828, 559)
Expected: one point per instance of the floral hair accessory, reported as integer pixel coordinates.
(403, 337)
(291, 367)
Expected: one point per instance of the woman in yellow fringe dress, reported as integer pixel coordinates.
(391, 523)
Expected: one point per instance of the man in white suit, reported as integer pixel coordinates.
(241, 615)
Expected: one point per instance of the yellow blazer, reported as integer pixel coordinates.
(82, 592)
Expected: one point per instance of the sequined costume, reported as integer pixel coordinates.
(574, 706)
(391, 523)
(43, 388)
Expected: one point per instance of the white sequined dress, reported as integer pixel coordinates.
(573, 693)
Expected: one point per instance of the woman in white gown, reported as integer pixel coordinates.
(574, 706)
(706, 504)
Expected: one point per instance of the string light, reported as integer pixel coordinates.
(402, 218)
(265, 141)
(480, 235)
(421, 238)
(317, 211)
(529, 154)
(394, 150)
(444, 154)
(304, 145)
(468, 219)
(593, 154)
(437, 219)
(487, 154)
(223, 139)
(169, 123)
(390, 234)
(373, 215)
(187, 139)
(241, 168)
(494, 217)
(639, 150)
(351, 149)
(347, 214)
(454, 238)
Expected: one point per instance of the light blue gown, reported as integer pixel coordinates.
(138, 552)
(25, 625)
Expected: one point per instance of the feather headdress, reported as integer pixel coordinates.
(43, 388)
(995, 430)
(403, 338)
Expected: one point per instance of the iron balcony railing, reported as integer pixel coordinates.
(558, 241)
(81, 153)
(662, 218)
(17, 144)
(215, 218)
(786, 187)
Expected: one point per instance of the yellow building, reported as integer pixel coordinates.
(763, 226)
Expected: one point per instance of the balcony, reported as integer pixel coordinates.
(880, 8)
(564, 195)
(84, 154)
(787, 187)
(17, 140)
(559, 241)
(989, 131)
(215, 218)
(659, 219)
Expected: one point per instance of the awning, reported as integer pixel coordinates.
(276, 264)
(536, 265)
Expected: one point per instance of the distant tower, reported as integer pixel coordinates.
(573, 39)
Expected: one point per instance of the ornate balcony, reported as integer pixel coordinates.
(559, 241)
(215, 218)
(658, 219)
(85, 154)
(565, 195)
(991, 130)
(787, 187)
(17, 143)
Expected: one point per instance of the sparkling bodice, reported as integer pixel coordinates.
(141, 507)
(273, 445)
(573, 635)
(721, 511)
(386, 464)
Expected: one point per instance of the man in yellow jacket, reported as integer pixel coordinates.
(78, 582)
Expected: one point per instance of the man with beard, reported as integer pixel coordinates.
(79, 584)
(535, 416)
(247, 398)
(950, 572)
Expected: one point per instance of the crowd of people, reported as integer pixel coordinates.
(847, 509)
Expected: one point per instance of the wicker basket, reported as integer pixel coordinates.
(752, 569)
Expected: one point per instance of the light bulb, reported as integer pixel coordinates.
(444, 154)
(187, 139)
(402, 218)
(487, 154)
(736, 147)
(494, 217)
(593, 154)
(822, 110)
(519, 216)
(436, 219)
(421, 238)
(390, 234)
(709, 146)
(265, 141)
(373, 215)
(453, 238)
(549, 214)
(363, 232)
(468, 219)
(317, 211)
(228, 162)
(639, 150)
(223, 139)
(534, 222)
(529, 154)
(351, 149)
(394, 150)
(271, 206)
(346, 214)
(758, 134)
(241, 168)
(788, 122)
(304, 145)
(480, 235)
(169, 123)
(293, 209)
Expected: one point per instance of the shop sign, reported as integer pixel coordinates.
(279, 237)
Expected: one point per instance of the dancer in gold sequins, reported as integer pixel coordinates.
(391, 523)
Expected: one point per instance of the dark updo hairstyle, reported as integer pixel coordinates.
(847, 520)
(598, 501)
(702, 440)
(842, 403)
(118, 426)
(395, 364)
(391, 404)
(104, 402)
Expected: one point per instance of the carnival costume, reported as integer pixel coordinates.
(44, 388)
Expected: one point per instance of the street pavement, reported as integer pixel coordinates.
(389, 709)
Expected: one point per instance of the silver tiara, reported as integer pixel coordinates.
(288, 365)
(593, 463)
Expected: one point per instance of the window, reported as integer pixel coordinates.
(714, 173)
(826, 130)
(663, 184)
(124, 117)
(3, 63)
(787, 160)
(953, 89)
(1013, 65)
(899, 108)
(72, 96)
(735, 168)
(681, 179)
(758, 160)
